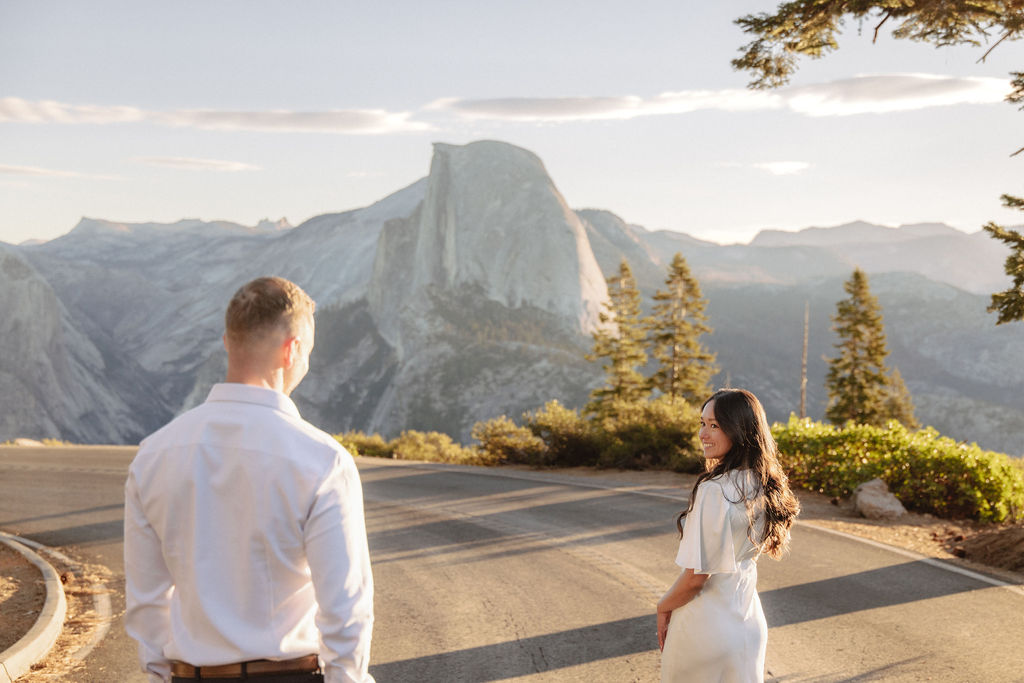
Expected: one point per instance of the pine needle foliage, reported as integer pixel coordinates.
(673, 333)
(1009, 304)
(808, 28)
(619, 343)
(858, 384)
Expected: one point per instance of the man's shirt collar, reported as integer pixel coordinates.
(246, 393)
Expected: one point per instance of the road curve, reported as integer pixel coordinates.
(487, 575)
(490, 575)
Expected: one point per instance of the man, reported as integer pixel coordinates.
(245, 542)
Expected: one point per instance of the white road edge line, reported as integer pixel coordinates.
(100, 599)
(466, 469)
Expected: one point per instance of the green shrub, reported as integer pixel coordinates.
(436, 447)
(1018, 464)
(501, 440)
(571, 440)
(926, 471)
(371, 445)
(657, 434)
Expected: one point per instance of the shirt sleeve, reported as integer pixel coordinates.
(339, 562)
(707, 543)
(148, 588)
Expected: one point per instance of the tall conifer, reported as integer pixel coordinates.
(674, 330)
(619, 343)
(898, 403)
(858, 383)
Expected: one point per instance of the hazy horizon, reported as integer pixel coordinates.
(292, 225)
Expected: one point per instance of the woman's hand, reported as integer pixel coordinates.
(663, 618)
(685, 589)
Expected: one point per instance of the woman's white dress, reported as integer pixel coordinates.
(721, 634)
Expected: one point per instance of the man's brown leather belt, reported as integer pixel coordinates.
(255, 668)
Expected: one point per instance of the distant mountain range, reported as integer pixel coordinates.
(472, 293)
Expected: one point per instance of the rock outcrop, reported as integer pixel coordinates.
(486, 293)
(492, 221)
(873, 500)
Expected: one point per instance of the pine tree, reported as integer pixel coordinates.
(674, 331)
(803, 360)
(620, 342)
(857, 383)
(898, 403)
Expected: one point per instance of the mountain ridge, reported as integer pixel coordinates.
(471, 293)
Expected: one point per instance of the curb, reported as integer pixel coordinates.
(34, 645)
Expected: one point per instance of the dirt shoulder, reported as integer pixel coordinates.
(22, 594)
(995, 550)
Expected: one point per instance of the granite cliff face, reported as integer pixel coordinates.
(53, 378)
(485, 292)
(470, 294)
(493, 222)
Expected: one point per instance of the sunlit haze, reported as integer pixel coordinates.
(242, 111)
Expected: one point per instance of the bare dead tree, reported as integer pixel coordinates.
(803, 362)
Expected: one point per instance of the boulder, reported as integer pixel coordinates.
(873, 500)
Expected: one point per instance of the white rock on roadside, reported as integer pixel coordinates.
(873, 500)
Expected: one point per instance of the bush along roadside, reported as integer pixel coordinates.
(926, 471)
(413, 445)
(658, 434)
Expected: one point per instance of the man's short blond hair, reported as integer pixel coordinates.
(264, 305)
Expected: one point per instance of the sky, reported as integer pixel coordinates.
(143, 111)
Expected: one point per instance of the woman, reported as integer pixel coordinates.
(710, 623)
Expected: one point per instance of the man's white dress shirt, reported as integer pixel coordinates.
(245, 539)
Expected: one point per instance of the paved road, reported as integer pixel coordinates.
(71, 499)
(486, 575)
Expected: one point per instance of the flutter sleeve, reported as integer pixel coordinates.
(707, 543)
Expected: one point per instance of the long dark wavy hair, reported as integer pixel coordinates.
(739, 414)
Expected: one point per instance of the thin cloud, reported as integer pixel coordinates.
(773, 167)
(883, 94)
(783, 167)
(846, 97)
(606, 108)
(350, 121)
(866, 94)
(36, 171)
(193, 164)
(6, 169)
(17, 110)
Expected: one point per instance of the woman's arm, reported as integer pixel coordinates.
(686, 588)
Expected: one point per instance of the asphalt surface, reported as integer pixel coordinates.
(487, 575)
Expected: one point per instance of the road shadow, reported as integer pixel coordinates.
(527, 656)
(81, 535)
(896, 584)
(498, 535)
(56, 515)
(918, 667)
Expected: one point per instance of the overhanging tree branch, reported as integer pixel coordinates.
(884, 19)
